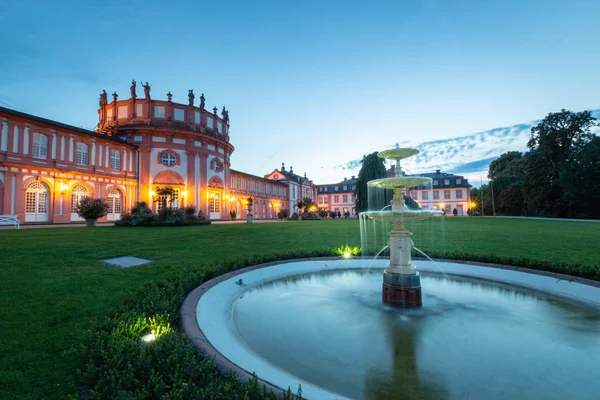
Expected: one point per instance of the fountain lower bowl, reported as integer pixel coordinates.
(208, 317)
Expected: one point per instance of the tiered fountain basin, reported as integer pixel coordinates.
(482, 332)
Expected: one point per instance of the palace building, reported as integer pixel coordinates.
(141, 145)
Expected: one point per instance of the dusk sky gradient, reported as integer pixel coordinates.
(314, 84)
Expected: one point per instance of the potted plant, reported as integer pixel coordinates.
(91, 209)
(233, 215)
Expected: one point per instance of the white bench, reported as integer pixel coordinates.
(10, 220)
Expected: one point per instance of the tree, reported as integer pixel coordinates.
(553, 145)
(164, 195)
(508, 164)
(372, 168)
(306, 204)
(580, 180)
(508, 174)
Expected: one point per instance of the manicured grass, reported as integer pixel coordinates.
(53, 290)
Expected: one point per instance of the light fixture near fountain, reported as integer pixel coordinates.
(401, 280)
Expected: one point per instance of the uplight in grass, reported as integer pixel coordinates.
(149, 337)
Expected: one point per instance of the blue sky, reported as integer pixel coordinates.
(314, 84)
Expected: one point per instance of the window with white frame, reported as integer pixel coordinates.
(326, 200)
(446, 181)
(171, 201)
(459, 194)
(159, 112)
(320, 200)
(436, 195)
(336, 198)
(435, 182)
(345, 187)
(425, 195)
(458, 181)
(345, 198)
(446, 195)
(82, 154)
(40, 146)
(115, 160)
(413, 195)
(336, 188)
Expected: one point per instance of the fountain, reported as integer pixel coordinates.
(401, 280)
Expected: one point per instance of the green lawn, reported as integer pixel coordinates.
(53, 290)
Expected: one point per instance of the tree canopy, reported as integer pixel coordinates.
(372, 168)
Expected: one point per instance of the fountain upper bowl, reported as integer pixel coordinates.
(397, 154)
(399, 182)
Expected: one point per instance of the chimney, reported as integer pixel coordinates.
(282, 167)
(353, 176)
(437, 171)
(345, 179)
(291, 169)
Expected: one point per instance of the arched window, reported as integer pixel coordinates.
(114, 205)
(36, 202)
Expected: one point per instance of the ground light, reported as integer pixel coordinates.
(149, 337)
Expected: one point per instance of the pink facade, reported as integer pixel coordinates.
(46, 167)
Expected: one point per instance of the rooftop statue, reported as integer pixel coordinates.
(202, 101)
(225, 115)
(169, 96)
(115, 96)
(146, 90)
(191, 97)
(132, 89)
(103, 99)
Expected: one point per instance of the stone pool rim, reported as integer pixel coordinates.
(192, 331)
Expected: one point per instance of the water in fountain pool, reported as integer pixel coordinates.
(471, 339)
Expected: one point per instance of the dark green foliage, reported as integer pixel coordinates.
(116, 363)
(332, 214)
(90, 208)
(411, 203)
(283, 214)
(580, 180)
(553, 146)
(372, 168)
(509, 164)
(310, 216)
(323, 213)
(141, 215)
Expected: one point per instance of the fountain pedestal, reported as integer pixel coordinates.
(401, 281)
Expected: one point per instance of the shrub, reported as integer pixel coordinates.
(115, 363)
(323, 213)
(332, 214)
(283, 214)
(233, 214)
(90, 208)
(346, 214)
(294, 216)
(455, 212)
(310, 216)
(141, 215)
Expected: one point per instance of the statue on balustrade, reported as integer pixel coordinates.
(202, 100)
(146, 90)
(103, 99)
(225, 115)
(191, 97)
(132, 88)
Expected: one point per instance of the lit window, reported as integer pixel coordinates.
(168, 160)
(115, 160)
(40, 146)
(82, 154)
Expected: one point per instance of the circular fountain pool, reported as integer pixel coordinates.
(322, 324)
